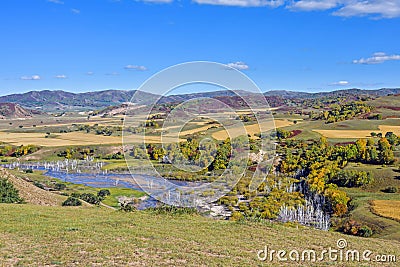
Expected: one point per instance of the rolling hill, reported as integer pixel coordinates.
(31, 193)
(14, 111)
(336, 93)
(60, 100)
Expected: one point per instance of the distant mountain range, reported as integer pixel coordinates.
(60, 100)
(337, 93)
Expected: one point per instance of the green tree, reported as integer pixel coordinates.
(386, 152)
(8, 193)
(71, 201)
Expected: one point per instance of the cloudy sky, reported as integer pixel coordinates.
(305, 45)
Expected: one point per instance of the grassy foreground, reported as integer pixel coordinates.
(91, 236)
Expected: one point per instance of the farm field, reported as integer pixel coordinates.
(358, 133)
(73, 139)
(345, 133)
(250, 129)
(51, 121)
(390, 128)
(59, 139)
(387, 208)
(349, 130)
(186, 132)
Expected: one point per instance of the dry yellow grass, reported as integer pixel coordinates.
(196, 130)
(390, 128)
(62, 139)
(173, 127)
(358, 133)
(73, 138)
(346, 133)
(250, 129)
(387, 208)
(249, 111)
(282, 123)
(33, 194)
(149, 139)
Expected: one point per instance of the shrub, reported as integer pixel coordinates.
(365, 231)
(103, 193)
(90, 198)
(352, 178)
(8, 193)
(29, 171)
(37, 184)
(71, 201)
(352, 227)
(59, 186)
(236, 216)
(172, 210)
(390, 189)
(76, 195)
(127, 207)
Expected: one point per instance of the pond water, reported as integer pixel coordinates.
(109, 180)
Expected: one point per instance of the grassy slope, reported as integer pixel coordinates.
(387, 101)
(38, 176)
(383, 227)
(362, 197)
(37, 235)
(32, 194)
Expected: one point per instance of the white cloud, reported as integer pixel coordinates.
(377, 58)
(340, 83)
(238, 65)
(313, 5)
(380, 8)
(31, 78)
(242, 3)
(135, 67)
(351, 8)
(90, 73)
(56, 2)
(61, 76)
(75, 11)
(343, 8)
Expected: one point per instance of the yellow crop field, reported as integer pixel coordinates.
(73, 138)
(134, 138)
(346, 133)
(62, 139)
(390, 128)
(196, 130)
(387, 208)
(250, 129)
(358, 133)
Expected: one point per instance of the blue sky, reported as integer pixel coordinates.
(306, 45)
